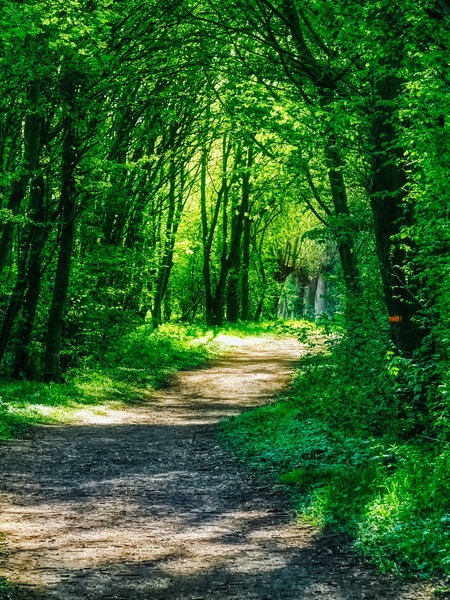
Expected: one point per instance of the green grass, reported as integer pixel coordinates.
(6, 591)
(140, 362)
(336, 440)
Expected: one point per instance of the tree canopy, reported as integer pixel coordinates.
(180, 161)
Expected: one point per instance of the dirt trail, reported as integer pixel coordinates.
(143, 504)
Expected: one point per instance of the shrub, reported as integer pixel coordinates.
(337, 439)
(139, 362)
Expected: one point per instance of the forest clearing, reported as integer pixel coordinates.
(173, 172)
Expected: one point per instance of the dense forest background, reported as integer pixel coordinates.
(179, 161)
(225, 161)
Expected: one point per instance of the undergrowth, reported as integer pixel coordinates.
(343, 441)
(303, 330)
(6, 590)
(139, 362)
(126, 371)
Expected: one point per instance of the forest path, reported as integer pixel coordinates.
(143, 504)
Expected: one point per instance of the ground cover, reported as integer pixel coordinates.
(336, 440)
(143, 503)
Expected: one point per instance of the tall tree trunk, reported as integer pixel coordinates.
(245, 284)
(245, 288)
(32, 143)
(390, 215)
(176, 204)
(214, 297)
(234, 254)
(12, 310)
(23, 361)
(68, 206)
(207, 239)
(219, 296)
(343, 234)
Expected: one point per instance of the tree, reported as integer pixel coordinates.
(67, 208)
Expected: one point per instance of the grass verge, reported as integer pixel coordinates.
(336, 440)
(140, 362)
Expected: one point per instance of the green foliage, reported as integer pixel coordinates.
(139, 362)
(406, 525)
(341, 440)
(351, 389)
(150, 357)
(6, 591)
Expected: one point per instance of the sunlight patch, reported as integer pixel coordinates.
(234, 340)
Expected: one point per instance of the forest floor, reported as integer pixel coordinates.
(144, 504)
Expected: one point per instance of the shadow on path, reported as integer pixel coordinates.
(146, 505)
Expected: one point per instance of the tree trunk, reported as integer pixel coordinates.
(207, 239)
(14, 306)
(219, 295)
(234, 255)
(32, 143)
(391, 214)
(245, 287)
(342, 232)
(23, 362)
(165, 268)
(214, 298)
(68, 206)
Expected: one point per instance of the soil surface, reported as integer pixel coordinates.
(143, 504)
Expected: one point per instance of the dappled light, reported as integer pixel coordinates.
(146, 505)
(232, 190)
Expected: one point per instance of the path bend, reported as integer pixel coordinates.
(142, 504)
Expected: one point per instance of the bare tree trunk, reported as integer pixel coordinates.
(245, 287)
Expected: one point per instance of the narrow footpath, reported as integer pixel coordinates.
(143, 504)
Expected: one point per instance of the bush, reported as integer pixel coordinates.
(337, 439)
(139, 362)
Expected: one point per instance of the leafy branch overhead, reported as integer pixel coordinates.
(180, 162)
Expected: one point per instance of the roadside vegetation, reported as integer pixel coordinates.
(353, 454)
(135, 364)
(342, 437)
(5, 590)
